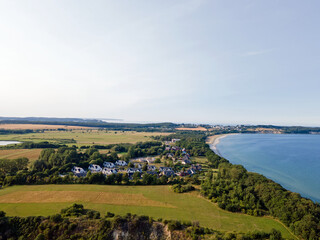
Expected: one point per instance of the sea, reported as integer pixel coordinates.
(292, 160)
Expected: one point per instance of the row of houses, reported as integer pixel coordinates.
(185, 159)
(166, 171)
(163, 171)
(118, 163)
(191, 171)
(110, 168)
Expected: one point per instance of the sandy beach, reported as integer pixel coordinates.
(214, 140)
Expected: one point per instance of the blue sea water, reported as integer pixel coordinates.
(293, 160)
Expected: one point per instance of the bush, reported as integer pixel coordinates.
(75, 210)
(174, 225)
(178, 188)
(109, 215)
(56, 218)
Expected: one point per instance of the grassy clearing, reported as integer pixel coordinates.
(31, 154)
(84, 137)
(83, 196)
(154, 201)
(201, 160)
(204, 163)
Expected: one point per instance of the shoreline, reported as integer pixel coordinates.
(214, 140)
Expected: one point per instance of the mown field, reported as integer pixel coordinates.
(154, 201)
(84, 137)
(31, 154)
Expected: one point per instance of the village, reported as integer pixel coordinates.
(170, 165)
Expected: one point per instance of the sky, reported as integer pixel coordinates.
(186, 61)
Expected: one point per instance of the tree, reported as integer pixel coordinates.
(145, 167)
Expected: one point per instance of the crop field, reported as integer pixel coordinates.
(31, 154)
(192, 129)
(154, 201)
(84, 137)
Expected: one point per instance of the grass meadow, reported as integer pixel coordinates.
(154, 201)
(84, 137)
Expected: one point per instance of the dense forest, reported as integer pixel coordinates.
(14, 131)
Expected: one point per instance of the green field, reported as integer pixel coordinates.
(84, 137)
(154, 201)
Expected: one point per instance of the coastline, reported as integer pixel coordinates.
(276, 174)
(214, 140)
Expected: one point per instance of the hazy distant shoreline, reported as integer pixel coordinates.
(214, 140)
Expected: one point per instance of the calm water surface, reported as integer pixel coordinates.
(293, 160)
(3, 143)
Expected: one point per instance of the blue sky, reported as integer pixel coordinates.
(205, 61)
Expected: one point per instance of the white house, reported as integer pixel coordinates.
(121, 163)
(78, 171)
(109, 171)
(133, 170)
(109, 165)
(94, 168)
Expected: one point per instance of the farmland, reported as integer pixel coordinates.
(31, 154)
(84, 137)
(38, 127)
(192, 129)
(154, 201)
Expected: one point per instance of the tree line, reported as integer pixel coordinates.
(76, 222)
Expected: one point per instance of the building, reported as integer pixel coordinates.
(197, 167)
(133, 170)
(94, 168)
(78, 171)
(152, 168)
(109, 165)
(167, 173)
(121, 163)
(109, 171)
(161, 169)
